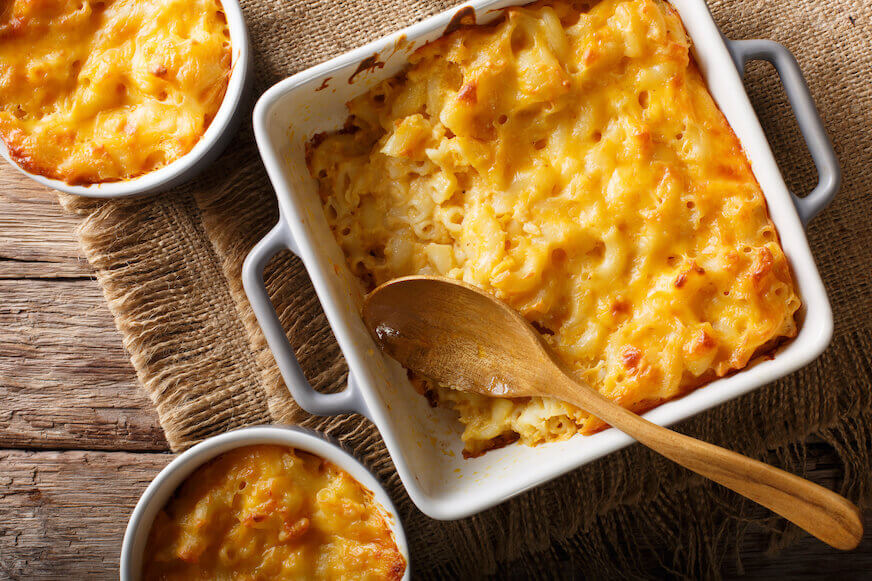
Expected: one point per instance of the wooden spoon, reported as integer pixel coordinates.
(460, 336)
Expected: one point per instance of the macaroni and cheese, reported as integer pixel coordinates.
(106, 90)
(270, 512)
(570, 160)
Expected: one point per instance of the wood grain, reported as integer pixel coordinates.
(63, 514)
(36, 237)
(65, 379)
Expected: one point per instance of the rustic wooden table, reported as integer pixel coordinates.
(79, 441)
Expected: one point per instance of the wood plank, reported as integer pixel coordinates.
(34, 229)
(65, 379)
(16, 269)
(63, 514)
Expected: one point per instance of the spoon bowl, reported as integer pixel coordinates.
(446, 341)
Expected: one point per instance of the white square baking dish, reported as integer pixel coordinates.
(425, 442)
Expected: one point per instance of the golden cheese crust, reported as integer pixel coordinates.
(271, 512)
(105, 90)
(570, 160)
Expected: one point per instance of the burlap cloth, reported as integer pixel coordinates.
(170, 269)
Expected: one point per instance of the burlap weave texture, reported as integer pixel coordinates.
(169, 267)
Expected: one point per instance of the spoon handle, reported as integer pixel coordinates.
(828, 516)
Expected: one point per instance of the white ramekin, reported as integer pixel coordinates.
(214, 140)
(425, 442)
(162, 487)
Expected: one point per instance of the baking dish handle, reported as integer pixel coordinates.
(810, 124)
(321, 404)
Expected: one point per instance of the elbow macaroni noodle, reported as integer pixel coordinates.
(570, 160)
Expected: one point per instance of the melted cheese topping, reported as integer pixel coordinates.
(571, 161)
(270, 512)
(95, 91)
